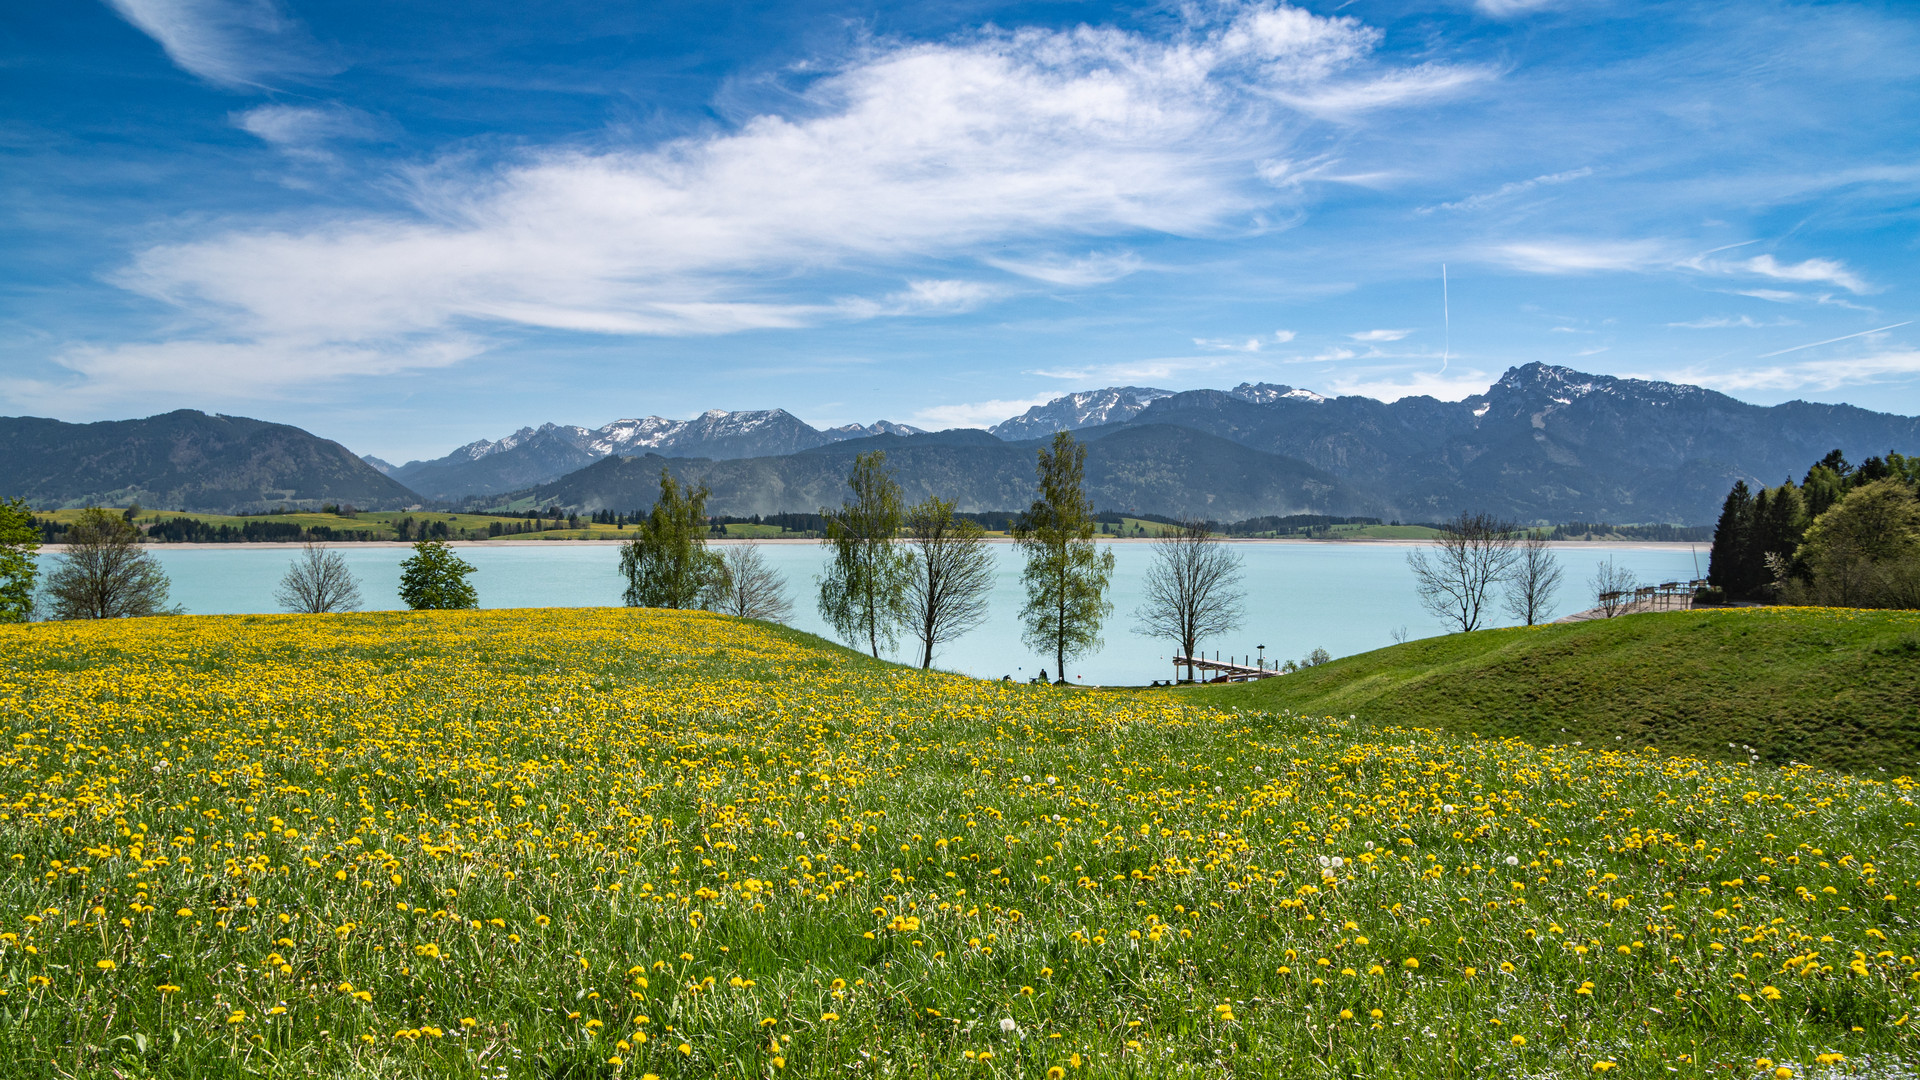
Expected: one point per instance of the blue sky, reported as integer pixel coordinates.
(408, 225)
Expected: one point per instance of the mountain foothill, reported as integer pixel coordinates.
(1542, 444)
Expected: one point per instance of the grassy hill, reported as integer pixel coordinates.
(612, 843)
(1832, 687)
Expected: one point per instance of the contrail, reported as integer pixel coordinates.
(1830, 341)
(1446, 320)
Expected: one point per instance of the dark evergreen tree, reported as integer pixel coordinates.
(1732, 542)
(1835, 462)
(1778, 530)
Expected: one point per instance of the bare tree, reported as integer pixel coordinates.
(1613, 588)
(949, 575)
(104, 574)
(750, 589)
(1456, 574)
(1534, 580)
(1192, 589)
(318, 582)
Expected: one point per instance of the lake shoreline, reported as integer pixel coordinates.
(374, 545)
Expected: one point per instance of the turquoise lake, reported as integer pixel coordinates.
(1343, 597)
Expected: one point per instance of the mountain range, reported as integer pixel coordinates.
(1542, 444)
(536, 455)
(185, 460)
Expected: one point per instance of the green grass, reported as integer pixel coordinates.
(613, 843)
(1831, 687)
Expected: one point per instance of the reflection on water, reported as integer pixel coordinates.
(1346, 598)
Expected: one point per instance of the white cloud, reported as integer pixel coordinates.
(977, 414)
(1251, 345)
(1778, 296)
(233, 43)
(1095, 269)
(910, 152)
(1719, 322)
(1576, 257)
(1504, 191)
(1507, 9)
(1829, 271)
(1894, 364)
(1283, 336)
(1336, 101)
(223, 370)
(305, 125)
(1154, 371)
(1393, 386)
(1646, 256)
(1380, 335)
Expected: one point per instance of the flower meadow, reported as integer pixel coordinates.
(621, 843)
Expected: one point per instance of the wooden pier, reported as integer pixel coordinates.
(1228, 669)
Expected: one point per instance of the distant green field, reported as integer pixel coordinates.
(376, 525)
(1833, 687)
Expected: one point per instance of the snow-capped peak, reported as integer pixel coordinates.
(1268, 393)
(1088, 408)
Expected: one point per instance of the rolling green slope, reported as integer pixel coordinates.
(1832, 687)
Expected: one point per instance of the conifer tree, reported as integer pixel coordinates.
(1732, 541)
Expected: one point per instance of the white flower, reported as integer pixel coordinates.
(1369, 845)
(1513, 860)
(1448, 808)
(1324, 861)
(800, 836)
(1009, 1025)
(1338, 862)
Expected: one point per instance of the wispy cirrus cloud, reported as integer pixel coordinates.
(1380, 335)
(1097, 268)
(1818, 271)
(1722, 322)
(1865, 369)
(1659, 255)
(1507, 191)
(1250, 345)
(976, 414)
(953, 150)
(238, 44)
(1389, 385)
(305, 132)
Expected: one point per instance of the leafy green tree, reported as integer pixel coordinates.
(950, 575)
(1066, 576)
(667, 564)
(104, 574)
(863, 594)
(435, 579)
(19, 541)
(1826, 482)
(1865, 552)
